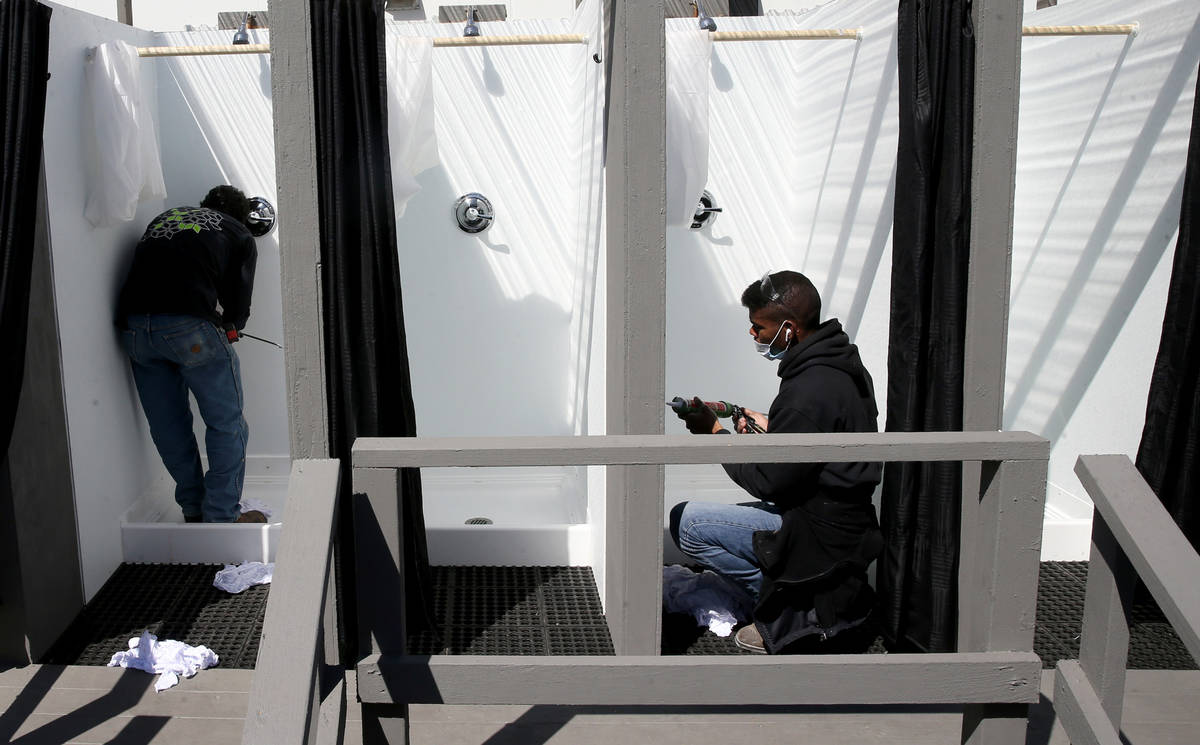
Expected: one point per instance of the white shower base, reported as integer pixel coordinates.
(534, 513)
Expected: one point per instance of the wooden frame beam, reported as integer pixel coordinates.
(433, 452)
(876, 680)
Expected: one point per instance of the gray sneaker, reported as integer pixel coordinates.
(749, 639)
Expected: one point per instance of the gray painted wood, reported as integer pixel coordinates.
(299, 225)
(379, 452)
(1002, 602)
(379, 560)
(42, 535)
(125, 12)
(284, 697)
(1079, 709)
(1001, 677)
(993, 176)
(1104, 643)
(636, 256)
(1157, 549)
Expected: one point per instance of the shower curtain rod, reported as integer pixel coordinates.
(535, 39)
(443, 41)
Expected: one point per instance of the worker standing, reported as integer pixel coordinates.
(184, 301)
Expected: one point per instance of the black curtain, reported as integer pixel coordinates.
(366, 354)
(24, 60)
(920, 509)
(1169, 454)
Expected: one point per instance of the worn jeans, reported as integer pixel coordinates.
(720, 537)
(170, 356)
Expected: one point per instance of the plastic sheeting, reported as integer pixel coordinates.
(689, 55)
(412, 139)
(122, 149)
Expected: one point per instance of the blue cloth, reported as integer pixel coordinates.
(720, 537)
(170, 356)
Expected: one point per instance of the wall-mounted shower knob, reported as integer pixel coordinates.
(473, 212)
(706, 211)
(261, 218)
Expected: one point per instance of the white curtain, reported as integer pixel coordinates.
(123, 163)
(689, 58)
(412, 140)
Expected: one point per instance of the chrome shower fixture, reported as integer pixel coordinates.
(706, 22)
(261, 218)
(241, 36)
(473, 212)
(706, 211)
(472, 27)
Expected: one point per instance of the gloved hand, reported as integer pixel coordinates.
(701, 420)
(231, 333)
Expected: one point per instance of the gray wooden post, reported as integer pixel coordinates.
(1104, 643)
(299, 225)
(1002, 603)
(379, 569)
(635, 181)
(125, 12)
(993, 176)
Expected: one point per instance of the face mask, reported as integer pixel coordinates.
(765, 349)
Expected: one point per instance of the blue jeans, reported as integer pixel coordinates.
(170, 356)
(719, 537)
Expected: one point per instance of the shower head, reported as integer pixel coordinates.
(706, 22)
(472, 27)
(241, 37)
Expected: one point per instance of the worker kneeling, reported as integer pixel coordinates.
(802, 551)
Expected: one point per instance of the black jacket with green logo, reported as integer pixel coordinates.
(189, 261)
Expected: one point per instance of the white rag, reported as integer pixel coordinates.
(708, 597)
(247, 574)
(249, 503)
(168, 658)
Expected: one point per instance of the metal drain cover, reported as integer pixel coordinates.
(478, 521)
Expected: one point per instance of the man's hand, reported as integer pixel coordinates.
(743, 427)
(701, 420)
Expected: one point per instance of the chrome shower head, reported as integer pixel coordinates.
(472, 27)
(706, 22)
(241, 36)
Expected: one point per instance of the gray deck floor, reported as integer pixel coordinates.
(94, 705)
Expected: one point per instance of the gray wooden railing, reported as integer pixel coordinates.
(1132, 536)
(298, 695)
(995, 675)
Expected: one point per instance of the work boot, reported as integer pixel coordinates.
(252, 516)
(749, 639)
(193, 519)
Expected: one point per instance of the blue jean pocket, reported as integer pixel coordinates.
(196, 345)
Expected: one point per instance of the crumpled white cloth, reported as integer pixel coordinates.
(168, 658)
(247, 574)
(250, 503)
(708, 597)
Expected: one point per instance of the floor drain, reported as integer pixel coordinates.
(478, 521)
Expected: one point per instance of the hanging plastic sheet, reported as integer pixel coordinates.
(689, 56)
(122, 149)
(411, 134)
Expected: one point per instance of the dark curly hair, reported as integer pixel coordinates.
(796, 299)
(230, 200)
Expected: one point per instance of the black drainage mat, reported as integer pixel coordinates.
(171, 601)
(1153, 644)
(545, 610)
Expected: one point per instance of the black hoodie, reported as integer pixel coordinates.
(824, 388)
(814, 566)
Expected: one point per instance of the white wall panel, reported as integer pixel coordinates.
(112, 457)
(1103, 138)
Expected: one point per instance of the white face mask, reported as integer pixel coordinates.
(765, 349)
